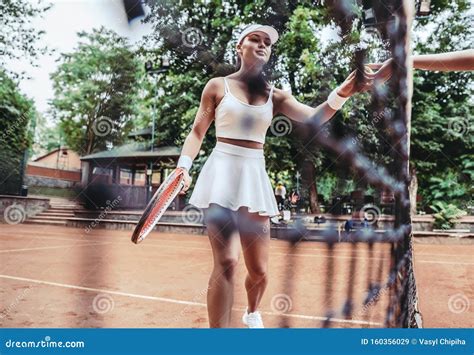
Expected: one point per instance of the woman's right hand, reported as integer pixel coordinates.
(384, 70)
(187, 182)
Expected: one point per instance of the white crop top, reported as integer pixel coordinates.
(238, 120)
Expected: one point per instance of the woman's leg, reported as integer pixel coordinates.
(224, 238)
(255, 238)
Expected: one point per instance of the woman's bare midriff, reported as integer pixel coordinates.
(241, 142)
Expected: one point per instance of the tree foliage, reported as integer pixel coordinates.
(442, 142)
(16, 113)
(19, 37)
(95, 91)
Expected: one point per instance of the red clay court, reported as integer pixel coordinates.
(64, 277)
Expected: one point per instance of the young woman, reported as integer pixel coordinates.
(233, 185)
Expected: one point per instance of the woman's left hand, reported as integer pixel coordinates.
(349, 87)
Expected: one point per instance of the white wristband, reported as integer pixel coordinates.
(335, 101)
(185, 162)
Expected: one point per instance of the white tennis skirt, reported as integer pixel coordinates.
(233, 177)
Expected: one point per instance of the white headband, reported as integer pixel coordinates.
(269, 30)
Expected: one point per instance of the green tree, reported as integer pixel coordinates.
(443, 109)
(96, 91)
(16, 112)
(19, 38)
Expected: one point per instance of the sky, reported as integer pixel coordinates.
(61, 24)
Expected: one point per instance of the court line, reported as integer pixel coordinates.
(53, 247)
(35, 237)
(181, 246)
(159, 244)
(175, 301)
(363, 257)
(208, 249)
(348, 252)
(441, 262)
(324, 256)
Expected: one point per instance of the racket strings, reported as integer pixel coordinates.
(161, 205)
(157, 206)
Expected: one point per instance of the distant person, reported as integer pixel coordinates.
(280, 194)
(295, 199)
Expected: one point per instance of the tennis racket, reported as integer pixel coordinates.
(157, 206)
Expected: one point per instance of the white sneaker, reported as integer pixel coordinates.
(252, 320)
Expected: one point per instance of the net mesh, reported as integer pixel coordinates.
(389, 273)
